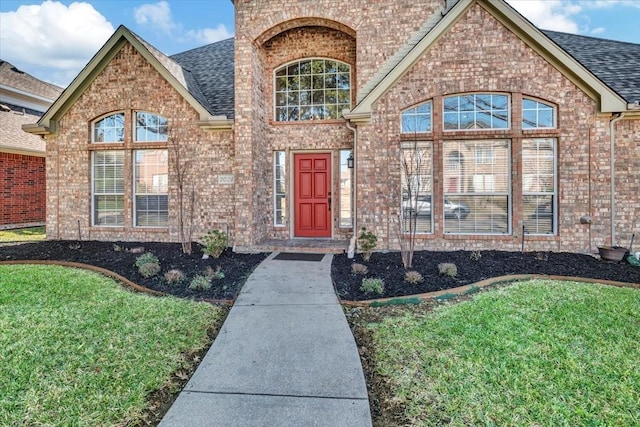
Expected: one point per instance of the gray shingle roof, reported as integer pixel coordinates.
(616, 63)
(212, 68)
(13, 77)
(12, 137)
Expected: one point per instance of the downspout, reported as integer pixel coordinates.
(612, 161)
(352, 243)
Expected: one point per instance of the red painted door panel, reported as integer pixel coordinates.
(312, 195)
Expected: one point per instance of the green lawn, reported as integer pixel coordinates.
(22, 234)
(77, 349)
(539, 353)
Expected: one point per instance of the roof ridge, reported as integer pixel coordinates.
(589, 37)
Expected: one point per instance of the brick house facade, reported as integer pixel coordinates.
(23, 99)
(514, 133)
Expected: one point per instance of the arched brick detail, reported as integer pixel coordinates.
(303, 22)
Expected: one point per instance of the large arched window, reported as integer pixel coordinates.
(312, 89)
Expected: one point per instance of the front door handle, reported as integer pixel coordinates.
(329, 203)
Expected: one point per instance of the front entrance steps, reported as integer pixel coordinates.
(325, 246)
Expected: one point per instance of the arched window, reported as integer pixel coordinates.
(109, 129)
(417, 119)
(312, 89)
(476, 111)
(537, 115)
(150, 127)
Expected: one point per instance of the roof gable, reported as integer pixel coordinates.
(173, 72)
(608, 99)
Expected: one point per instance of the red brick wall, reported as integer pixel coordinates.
(22, 189)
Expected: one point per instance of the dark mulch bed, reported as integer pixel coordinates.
(471, 269)
(116, 256)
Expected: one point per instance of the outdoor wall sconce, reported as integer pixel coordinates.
(350, 161)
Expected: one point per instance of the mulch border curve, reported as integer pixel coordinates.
(115, 276)
(466, 289)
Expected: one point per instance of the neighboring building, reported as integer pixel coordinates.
(500, 132)
(23, 99)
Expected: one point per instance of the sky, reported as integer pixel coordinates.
(54, 40)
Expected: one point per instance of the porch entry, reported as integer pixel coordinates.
(312, 189)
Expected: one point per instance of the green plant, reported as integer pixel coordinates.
(117, 248)
(147, 258)
(200, 283)
(372, 285)
(358, 268)
(367, 242)
(413, 277)
(475, 256)
(216, 274)
(448, 269)
(214, 242)
(149, 269)
(174, 276)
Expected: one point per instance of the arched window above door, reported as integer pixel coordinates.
(312, 89)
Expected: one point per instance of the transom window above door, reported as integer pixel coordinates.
(312, 89)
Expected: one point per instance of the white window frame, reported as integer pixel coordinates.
(338, 106)
(94, 194)
(345, 201)
(280, 161)
(508, 193)
(419, 145)
(102, 119)
(415, 115)
(475, 111)
(553, 194)
(136, 193)
(539, 106)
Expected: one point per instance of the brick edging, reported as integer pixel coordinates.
(118, 278)
(461, 290)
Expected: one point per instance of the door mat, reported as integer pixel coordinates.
(291, 256)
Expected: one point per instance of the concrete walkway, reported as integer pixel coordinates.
(285, 357)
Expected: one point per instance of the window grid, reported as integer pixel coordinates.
(417, 119)
(108, 188)
(476, 194)
(150, 127)
(109, 129)
(346, 216)
(279, 189)
(151, 171)
(417, 188)
(539, 186)
(476, 111)
(312, 89)
(537, 115)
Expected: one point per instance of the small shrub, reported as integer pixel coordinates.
(174, 277)
(216, 274)
(214, 242)
(117, 248)
(475, 256)
(358, 268)
(367, 242)
(148, 258)
(149, 269)
(200, 283)
(413, 277)
(370, 286)
(448, 269)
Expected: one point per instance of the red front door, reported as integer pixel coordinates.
(312, 195)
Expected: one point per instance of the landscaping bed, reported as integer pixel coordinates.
(471, 266)
(118, 257)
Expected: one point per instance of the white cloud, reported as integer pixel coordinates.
(54, 36)
(558, 15)
(598, 30)
(156, 15)
(210, 35)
